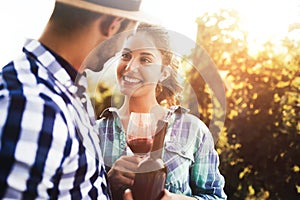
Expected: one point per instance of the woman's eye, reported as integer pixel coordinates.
(146, 60)
(126, 56)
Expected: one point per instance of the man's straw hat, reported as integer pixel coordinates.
(129, 9)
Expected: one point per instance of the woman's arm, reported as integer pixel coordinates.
(206, 179)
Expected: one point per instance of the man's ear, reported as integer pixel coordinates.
(109, 25)
(166, 72)
(114, 26)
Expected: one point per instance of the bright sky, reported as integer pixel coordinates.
(263, 18)
(20, 20)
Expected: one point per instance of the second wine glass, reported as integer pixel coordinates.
(140, 132)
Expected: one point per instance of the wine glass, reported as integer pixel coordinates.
(140, 132)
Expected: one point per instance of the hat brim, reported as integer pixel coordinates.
(138, 16)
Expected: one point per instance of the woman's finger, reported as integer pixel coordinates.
(127, 195)
(127, 163)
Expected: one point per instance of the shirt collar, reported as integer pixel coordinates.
(60, 69)
(67, 66)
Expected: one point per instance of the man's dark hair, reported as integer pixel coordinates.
(67, 18)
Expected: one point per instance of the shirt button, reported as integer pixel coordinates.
(83, 100)
(122, 144)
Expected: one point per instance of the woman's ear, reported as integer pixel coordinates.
(166, 72)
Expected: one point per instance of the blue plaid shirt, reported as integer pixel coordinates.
(49, 146)
(189, 154)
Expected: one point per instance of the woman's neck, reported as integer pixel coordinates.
(140, 105)
(143, 105)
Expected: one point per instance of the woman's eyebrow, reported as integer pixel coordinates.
(148, 54)
(127, 50)
(142, 53)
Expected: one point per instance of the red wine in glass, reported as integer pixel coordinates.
(140, 145)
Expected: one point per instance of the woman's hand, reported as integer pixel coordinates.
(122, 172)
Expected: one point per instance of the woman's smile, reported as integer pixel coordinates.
(131, 80)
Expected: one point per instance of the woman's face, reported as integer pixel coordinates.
(140, 66)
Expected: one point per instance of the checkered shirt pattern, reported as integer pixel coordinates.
(49, 146)
(188, 152)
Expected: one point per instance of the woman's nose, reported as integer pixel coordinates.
(132, 65)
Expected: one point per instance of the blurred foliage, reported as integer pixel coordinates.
(259, 144)
(260, 140)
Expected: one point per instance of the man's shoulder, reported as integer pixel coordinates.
(23, 78)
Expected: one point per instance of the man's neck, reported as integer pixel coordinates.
(74, 47)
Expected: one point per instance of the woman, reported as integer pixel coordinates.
(146, 75)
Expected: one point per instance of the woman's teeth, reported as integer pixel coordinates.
(131, 80)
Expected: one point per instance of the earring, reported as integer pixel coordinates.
(159, 88)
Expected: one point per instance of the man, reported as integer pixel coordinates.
(49, 147)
